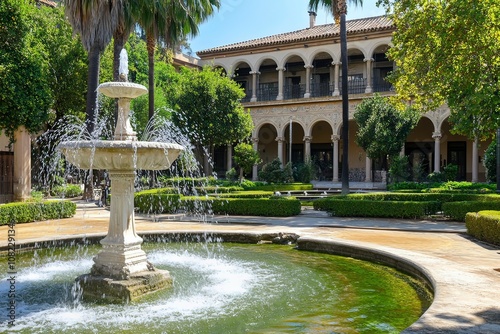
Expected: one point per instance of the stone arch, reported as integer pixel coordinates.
(335, 57)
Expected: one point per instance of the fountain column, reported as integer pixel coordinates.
(121, 254)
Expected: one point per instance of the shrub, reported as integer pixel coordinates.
(35, 211)
(304, 172)
(280, 207)
(150, 202)
(458, 210)
(450, 172)
(274, 173)
(484, 225)
(232, 174)
(398, 170)
(374, 208)
(68, 191)
(283, 187)
(490, 161)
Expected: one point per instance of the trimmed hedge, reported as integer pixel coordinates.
(25, 212)
(283, 207)
(484, 225)
(248, 194)
(458, 210)
(151, 202)
(376, 208)
(283, 187)
(418, 197)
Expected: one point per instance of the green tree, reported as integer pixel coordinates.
(246, 157)
(382, 127)
(95, 21)
(25, 95)
(208, 110)
(449, 52)
(339, 10)
(66, 59)
(168, 21)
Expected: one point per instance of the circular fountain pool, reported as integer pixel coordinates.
(219, 288)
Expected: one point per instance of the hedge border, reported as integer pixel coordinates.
(27, 212)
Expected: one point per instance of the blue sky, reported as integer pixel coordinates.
(241, 20)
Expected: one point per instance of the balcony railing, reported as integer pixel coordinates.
(294, 91)
(269, 92)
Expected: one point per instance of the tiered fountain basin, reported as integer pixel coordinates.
(121, 270)
(120, 154)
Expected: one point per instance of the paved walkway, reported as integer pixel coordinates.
(466, 273)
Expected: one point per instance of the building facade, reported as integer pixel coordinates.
(293, 91)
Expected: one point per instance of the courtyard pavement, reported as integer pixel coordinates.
(465, 272)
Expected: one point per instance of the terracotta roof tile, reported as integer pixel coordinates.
(377, 23)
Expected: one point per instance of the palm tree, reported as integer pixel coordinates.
(95, 21)
(169, 21)
(339, 10)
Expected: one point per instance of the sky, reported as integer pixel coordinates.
(242, 20)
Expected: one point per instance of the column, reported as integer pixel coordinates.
(437, 151)
(22, 164)
(254, 86)
(255, 175)
(307, 151)
(280, 141)
(335, 140)
(229, 157)
(475, 161)
(368, 169)
(281, 71)
(336, 91)
(308, 81)
(368, 88)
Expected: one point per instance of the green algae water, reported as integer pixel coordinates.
(218, 288)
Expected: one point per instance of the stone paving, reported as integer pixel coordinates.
(465, 272)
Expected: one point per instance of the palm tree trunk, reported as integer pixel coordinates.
(91, 108)
(345, 105)
(151, 44)
(92, 83)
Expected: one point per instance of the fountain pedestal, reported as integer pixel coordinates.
(121, 271)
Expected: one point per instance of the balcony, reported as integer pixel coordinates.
(269, 91)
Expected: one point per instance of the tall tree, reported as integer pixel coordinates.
(169, 21)
(382, 128)
(95, 21)
(25, 95)
(339, 10)
(209, 111)
(449, 52)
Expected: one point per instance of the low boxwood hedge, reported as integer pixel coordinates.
(484, 225)
(282, 207)
(25, 212)
(248, 194)
(458, 210)
(150, 202)
(372, 208)
(283, 187)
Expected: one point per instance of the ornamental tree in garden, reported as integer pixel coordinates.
(208, 110)
(449, 52)
(25, 95)
(382, 128)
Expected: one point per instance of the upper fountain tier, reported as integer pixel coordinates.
(124, 152)
(122, 90)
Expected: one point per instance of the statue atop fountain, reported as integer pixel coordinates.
(121, 271)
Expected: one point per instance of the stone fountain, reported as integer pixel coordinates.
(121, 271)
